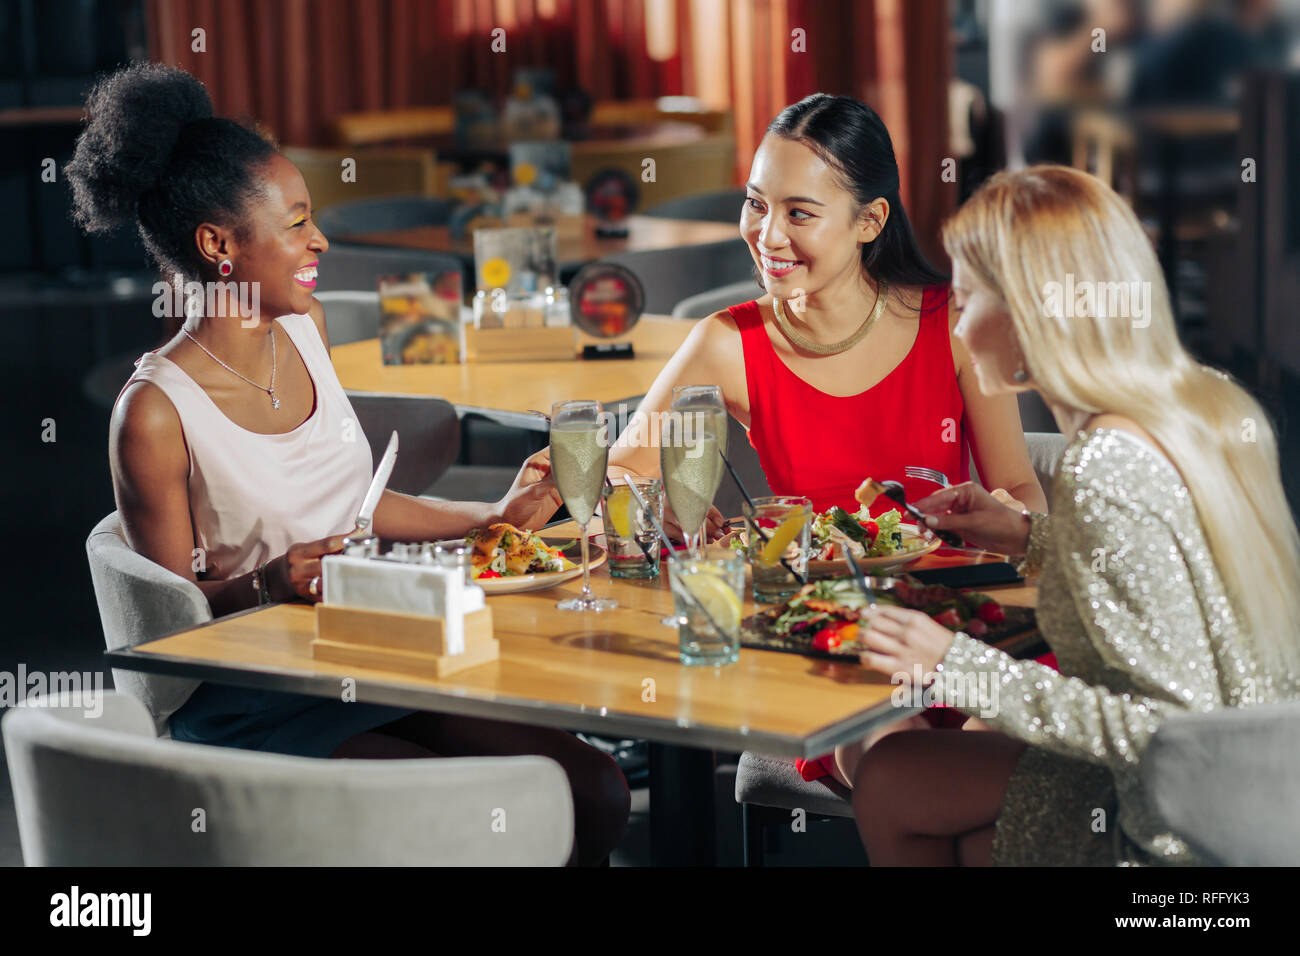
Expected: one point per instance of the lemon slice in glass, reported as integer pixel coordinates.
(622, 509)
(720, 601)
(781, 538)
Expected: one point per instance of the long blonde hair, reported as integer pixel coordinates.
(1036, 235)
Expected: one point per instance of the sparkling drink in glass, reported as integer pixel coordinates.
(692, 471)
(579, 456)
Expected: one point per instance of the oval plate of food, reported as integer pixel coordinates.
(914, 546)
(506, 560)
(898, 545)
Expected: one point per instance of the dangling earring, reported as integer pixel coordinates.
(1020, 376)
(225, 267)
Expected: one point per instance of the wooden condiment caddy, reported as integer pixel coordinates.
(407, 643)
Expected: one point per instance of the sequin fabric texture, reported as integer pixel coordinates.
(1134, 608)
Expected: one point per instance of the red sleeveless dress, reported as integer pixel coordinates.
(823, 446)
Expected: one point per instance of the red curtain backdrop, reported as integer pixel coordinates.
(294, 64)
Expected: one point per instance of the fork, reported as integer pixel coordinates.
(926, 474)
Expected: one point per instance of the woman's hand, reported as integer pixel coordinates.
(980, 518)
(713, 521)
(1004, 496)
(289, 576)
(899, 640)
(533, 497)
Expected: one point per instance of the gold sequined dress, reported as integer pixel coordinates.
(1134, 608)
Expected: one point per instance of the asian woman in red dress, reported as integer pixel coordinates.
(846, 367)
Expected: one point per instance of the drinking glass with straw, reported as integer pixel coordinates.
(579, 456)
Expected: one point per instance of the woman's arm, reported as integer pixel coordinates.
(150, 467)
(997, 436)
(1155, 635)
(711, 355)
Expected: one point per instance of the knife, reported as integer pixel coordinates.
(377, 485)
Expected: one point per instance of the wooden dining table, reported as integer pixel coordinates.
(616, 674)
(505, 391)
(644, 233)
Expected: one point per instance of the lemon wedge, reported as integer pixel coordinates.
(781, 538)
(719, 600)
(621, 507)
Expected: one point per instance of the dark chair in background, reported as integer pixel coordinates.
(383, 214)
(721, 206)
(428, 433)
(355, 268)
(671, 275)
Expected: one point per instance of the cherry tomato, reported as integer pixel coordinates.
(871, 528)
(827, 639)
(950, 618)
(990, 612)
(489, 573)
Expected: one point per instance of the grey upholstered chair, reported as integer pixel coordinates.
(670, 275)
(767, 787)
(723, 205)
(350, 315)
(428, 436)
(704, 304)
(383, 214)
(1228, 782)
(138, 602)
(105, 792)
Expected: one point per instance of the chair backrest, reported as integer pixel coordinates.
(721, 206)
(704, 304)
(1045, 450)
(90, 795)
(138, 602)
(350, 316)
(357, 268)
(383, 214)
(428, 436)
(670, 275)
(1228, 782)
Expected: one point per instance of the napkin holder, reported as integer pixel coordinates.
(400, 615)
(521, 327)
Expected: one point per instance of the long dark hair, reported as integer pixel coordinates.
(154, 154)
(850, 137)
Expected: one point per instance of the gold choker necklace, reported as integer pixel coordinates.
(882, 297)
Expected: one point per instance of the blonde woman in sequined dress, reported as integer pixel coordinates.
(1170, 565)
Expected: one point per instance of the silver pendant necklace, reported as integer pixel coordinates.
(270, 390)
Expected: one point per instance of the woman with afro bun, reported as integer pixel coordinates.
(236, 458)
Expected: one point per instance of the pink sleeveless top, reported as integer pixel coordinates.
(253, 495)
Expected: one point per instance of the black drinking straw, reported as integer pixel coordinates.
(802, 579)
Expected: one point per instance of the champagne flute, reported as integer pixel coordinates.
(579, 457)
(699, 409)
(705, 400)
(692, 471)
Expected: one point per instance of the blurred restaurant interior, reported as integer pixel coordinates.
(412, 121)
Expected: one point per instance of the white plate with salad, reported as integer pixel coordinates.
(880, 544)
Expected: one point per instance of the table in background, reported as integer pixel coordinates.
(644, 233)
(505, 391)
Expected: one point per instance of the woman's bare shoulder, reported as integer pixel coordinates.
(145, 427)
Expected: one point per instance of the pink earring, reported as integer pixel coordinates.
(225, 267)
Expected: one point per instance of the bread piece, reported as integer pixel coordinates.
(868, 492)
